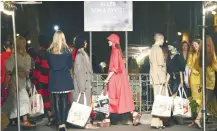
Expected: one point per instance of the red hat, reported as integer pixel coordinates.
(114, 38)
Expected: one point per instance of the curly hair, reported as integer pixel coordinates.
(192, 50)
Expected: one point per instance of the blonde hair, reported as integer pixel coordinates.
(59, 43)
(192, 50)
(21, 45)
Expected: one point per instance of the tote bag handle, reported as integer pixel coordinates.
(166, 88)
(182, 92)
(79, 96)
(33, 91)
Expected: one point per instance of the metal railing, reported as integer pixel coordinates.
(140, 86)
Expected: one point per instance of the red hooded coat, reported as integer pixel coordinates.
(5, 79)
(4, 58)
(120, 95)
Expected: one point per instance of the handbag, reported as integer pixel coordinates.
(162, 105)
(101, 104)
(181, 107)
(36, 103)
(79, 113)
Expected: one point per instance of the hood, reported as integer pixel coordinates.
(114, 38)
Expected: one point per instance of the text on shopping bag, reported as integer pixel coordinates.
(79, 116)
(33, 105)
(101, 103)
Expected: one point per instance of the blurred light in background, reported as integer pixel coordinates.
(185, 37)
(102, 64)
(7, 12)
(211, 8)
(56, 27)
(29, 41)
(140, 58)
(179, 33)
(138, 52)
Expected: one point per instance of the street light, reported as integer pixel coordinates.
(12, 13)
(56, 27)
(179, 33)
(18, 35)
(207, 6)
(2, 9)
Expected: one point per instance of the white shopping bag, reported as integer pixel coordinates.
(36, 103)
(101, 104)
(162, 106)
(181, 106)
(79, 113)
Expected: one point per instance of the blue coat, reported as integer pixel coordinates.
(60, 78)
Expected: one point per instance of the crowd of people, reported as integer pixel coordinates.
(62, 72)
(183, 69)
(59, 75)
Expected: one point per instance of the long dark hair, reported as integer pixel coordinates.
(7, 44)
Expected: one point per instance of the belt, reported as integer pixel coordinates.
(174, 74)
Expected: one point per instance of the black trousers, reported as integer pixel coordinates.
(60, 107)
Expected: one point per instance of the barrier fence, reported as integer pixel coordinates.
(140, 86)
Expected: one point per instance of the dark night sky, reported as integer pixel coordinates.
(148, 18)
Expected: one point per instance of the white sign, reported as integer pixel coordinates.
(108, 16)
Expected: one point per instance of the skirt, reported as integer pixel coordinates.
(24, 104)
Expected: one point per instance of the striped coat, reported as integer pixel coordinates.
(41, 74)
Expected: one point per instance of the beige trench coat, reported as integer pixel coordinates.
(157, 76)
(24, 65)
(82, 75)
(157, 66)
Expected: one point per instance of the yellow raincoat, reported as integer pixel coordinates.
(194, 79)
(211, 101)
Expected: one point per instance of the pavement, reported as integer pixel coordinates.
(145, 126)
(112, 128)
(117, 128)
